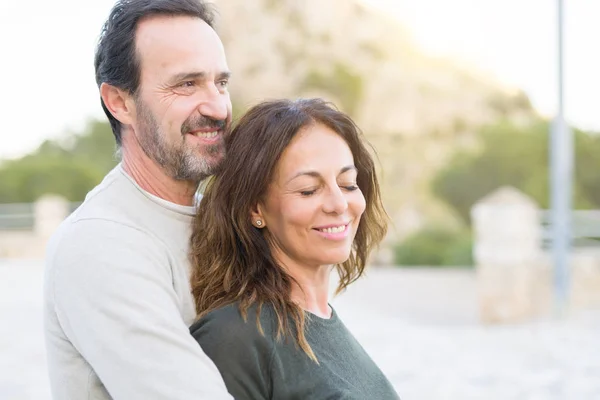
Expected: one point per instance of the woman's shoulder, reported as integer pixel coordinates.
(226, 315)
(228, 324)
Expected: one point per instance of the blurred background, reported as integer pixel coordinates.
(456, 97)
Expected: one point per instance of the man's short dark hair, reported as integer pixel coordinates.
(116, 61)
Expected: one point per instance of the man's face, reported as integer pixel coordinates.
(182, 105)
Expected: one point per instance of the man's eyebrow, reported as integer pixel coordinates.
(315, 174)
(199, 75)
(224, 75)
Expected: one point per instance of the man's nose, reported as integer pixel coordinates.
(216, 105)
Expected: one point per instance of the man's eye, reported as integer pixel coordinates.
(187, 84)
(307, 193)
(223, 83)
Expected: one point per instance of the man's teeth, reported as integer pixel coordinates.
(206, 135)
(336, 229)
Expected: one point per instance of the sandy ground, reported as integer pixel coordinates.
(420, 326)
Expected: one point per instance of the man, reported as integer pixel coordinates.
(117, 297)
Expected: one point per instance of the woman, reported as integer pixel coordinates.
(297, 196)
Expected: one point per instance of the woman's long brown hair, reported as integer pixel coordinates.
(231, 259)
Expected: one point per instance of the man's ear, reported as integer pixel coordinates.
(257, 216)
(118, 102)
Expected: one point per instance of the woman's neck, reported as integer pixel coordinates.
(311, 289)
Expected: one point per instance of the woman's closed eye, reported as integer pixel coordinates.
(307, 193)
(349, 187)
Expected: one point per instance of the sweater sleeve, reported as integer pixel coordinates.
(241, 353)
(114, 298)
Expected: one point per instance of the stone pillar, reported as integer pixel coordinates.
(50, 211)
(507, 253)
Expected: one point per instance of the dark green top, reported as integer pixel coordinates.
(260, 367)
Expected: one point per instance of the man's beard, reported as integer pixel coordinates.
(179, 161)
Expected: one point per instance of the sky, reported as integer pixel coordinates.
(516, 42)
(47, 49)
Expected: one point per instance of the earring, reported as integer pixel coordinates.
(258, 222)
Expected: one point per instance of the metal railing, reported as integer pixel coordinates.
(585, 224)
(21, 216)
(585, 228)
(17, 217)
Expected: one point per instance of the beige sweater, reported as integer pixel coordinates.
(117, 304)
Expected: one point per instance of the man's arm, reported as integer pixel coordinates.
(115, 301)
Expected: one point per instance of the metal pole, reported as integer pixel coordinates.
(561, 158)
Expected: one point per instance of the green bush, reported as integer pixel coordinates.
(460, 251)
(516, 155)
(436, 247)
(69, 167)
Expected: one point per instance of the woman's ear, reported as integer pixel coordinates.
(256, 216)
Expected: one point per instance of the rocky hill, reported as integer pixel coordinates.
(415, 110)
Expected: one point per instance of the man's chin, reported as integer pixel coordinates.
(209, 165)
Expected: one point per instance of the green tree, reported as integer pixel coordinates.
(26, 179)
(587, 165)
(96, 143)
(342, 82)
(69, 167)
(516, 156)
(435, 246)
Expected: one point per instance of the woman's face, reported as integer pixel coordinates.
(313, 205)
